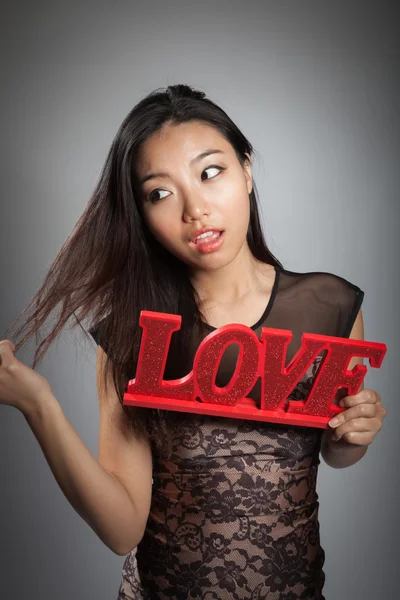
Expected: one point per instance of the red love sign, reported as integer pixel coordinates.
(263, 358)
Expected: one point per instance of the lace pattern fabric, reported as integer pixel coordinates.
(234, 513)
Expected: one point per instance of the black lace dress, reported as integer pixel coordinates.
(234, 512)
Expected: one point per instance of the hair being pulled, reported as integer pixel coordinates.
(111, 267)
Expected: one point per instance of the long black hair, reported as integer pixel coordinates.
(111, 267)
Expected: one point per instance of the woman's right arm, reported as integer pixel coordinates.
(112, 494)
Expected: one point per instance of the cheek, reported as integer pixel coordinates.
(236, 208)
(164, 226)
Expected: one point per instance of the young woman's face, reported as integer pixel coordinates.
(184, 193)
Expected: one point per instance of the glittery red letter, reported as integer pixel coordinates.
(278, 381)
(333, 374)
(156, 337)
(208, 358)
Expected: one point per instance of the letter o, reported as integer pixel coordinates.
(208, 358)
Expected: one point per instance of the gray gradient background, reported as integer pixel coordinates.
(315, 87)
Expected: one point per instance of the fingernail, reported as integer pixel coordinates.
(333, 422)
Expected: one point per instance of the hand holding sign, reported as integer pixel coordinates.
(360, 421)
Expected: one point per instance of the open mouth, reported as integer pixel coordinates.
(210, 242)
(209, 237)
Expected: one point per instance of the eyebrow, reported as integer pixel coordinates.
(192, 163)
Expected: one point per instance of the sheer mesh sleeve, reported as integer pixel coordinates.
(349, 299)
(97, 334)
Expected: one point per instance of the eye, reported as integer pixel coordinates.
(213, 167)
(151, 198)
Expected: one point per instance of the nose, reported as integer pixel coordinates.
(195, 208)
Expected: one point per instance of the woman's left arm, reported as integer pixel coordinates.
(351, 432)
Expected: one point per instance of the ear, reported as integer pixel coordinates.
(248, 173)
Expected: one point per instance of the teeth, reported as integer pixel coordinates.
(207, 234)
(214, 232)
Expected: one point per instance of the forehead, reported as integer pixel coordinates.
(179, 143)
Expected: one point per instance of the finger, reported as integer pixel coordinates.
(358, 425)
(359, 438)
(7, 344)
(6, 352)
(362, 397)
(360, 410)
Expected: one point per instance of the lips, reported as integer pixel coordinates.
(210, 243)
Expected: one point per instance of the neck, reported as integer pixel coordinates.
(232, 282)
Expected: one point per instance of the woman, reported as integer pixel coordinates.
(204, 507)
